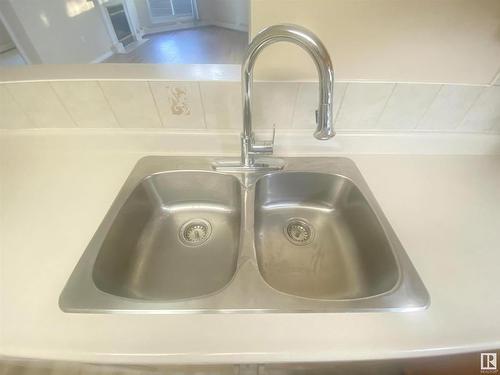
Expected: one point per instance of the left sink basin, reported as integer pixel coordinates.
(175, 237)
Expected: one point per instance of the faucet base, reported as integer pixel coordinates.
(260, 165)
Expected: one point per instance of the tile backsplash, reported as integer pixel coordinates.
(358, 106)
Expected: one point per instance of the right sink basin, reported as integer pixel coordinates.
(316, 236)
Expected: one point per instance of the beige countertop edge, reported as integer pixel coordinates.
(127, 72)
(157, 72)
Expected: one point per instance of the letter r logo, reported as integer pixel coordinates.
(488, 361)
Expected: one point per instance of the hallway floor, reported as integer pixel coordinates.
(201, 45)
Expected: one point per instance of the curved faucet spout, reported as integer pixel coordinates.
(250, 148)
(311, 43)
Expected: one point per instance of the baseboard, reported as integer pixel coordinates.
(172, 27)
(101, 58)
(232, 26)
(188, 25)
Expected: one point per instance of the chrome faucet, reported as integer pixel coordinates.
(250, 148)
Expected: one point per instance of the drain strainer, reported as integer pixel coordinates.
(299, 232)
(195, 232)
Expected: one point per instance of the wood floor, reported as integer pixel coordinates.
(202, 45)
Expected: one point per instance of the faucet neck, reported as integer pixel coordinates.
(315, 48)
(250, 149)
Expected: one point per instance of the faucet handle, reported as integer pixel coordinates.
(264, 147)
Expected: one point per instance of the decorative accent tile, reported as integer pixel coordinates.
(86, 103)
(407, 105)
(307, 102)
(273, 104)
(485, 113)
(179, 104)
(132, 103)
(363, 104)
(11, 113)
(450, 106)
(40, 103)
(223, 104)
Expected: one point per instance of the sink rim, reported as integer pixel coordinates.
(81, 295)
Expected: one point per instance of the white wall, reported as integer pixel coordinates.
(446, 41)
(233, 14)
(5, 40)
(11, 22)
(58, 31)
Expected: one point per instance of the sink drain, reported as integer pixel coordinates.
(195, 232)
(299, 232)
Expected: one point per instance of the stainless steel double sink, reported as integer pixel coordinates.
(181, 238)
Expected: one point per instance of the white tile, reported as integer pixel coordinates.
(40, 103)
(222, 104)
(179, 104)
(86, 103)
(273, 104)
(363, 104)
(450, 106)
(307, 103)
(132, 103)
(407, 105)
(11, 113)
(485, 113)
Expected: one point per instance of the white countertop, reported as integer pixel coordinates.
(55, 191)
